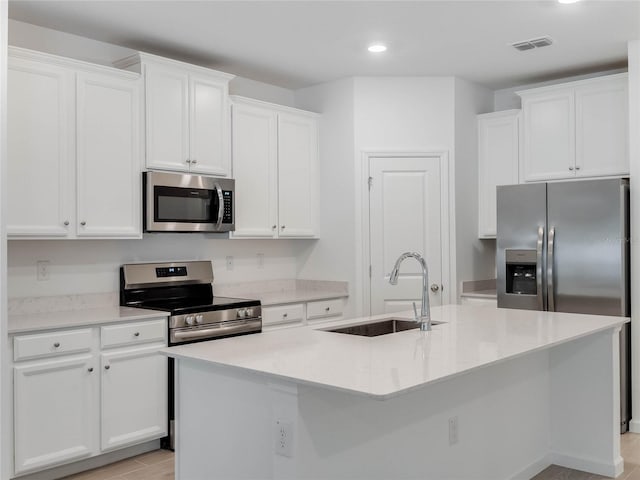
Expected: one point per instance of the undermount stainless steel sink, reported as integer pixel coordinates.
(381, 327)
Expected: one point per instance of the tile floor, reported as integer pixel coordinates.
(158, 465)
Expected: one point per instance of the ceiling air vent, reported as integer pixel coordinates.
(533, 43)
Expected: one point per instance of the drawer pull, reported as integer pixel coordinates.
(137, 334)
(285, 315)
(107, 367)
(327, 309)
(56, 345)
(90, 369)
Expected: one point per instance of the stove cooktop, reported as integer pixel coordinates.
(195, 305)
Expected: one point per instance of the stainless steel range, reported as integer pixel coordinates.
(185, 291)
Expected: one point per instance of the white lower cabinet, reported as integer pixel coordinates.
(73, 399)
(142, 412)
(300, 314)
(55, 412)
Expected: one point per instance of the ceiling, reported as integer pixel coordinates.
(295, 44)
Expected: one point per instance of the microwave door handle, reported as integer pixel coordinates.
(220, 206)
(550, 261)
(539, 246)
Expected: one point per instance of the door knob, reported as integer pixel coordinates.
(434, 287)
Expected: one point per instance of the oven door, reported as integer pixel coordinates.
(188, 203)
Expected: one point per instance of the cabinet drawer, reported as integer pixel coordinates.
(283, 314)
(324, 308)
(26, 347)
(133, 333)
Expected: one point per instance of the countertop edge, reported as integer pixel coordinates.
(116, 315)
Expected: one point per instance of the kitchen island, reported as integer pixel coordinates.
(488, 394)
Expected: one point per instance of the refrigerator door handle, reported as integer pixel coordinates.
(539, 246)
(550, 286)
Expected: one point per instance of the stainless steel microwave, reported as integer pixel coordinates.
(175, 202)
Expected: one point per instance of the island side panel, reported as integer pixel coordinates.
(585, 404)
(223, 423)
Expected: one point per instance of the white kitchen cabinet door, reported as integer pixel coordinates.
(255, 157)
(602, 128)
(549, 135)
(167, 117)
(297, 175)
(55, 412)
(498, 157)
(108, 156)
(208, 125)
(134, 396)
(40, 149)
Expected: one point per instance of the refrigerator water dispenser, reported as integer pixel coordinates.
(521, 272)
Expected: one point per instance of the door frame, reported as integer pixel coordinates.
(447, 223)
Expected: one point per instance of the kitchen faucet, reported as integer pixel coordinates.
(425, 313)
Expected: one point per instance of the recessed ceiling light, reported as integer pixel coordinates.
(568, 1)
(377, 48)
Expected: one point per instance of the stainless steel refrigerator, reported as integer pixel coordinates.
(564, 247)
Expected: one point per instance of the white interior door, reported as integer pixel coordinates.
(404, 215)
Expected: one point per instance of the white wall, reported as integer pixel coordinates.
(6, 387)
(81, 48)
(87, 266)
(634, 159)
(475, 259)
(332, 258)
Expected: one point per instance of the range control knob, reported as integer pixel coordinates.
(242, 312)
(189, 320)
(249, 312)
(199, 318)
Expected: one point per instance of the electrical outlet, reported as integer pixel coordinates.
(453, 430)
(260, 260)
(42, 269)
(229, 263)
(284, 438)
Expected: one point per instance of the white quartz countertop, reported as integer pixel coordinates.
(388, 365)
(30, 322)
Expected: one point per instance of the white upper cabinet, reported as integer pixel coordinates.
(297, 174)
(577, 129)
(498, 154)
(40, 148)
(74, 149)
(275, 165)
(187, 115)
(108, 156)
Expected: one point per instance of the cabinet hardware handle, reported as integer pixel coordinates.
(90, 369)
(282, 227)
(570, 168)
(137, 334)
(188, 161)
(327, 309)
(66, 223)
(577, 167)
(56, 345)
(273, 227)
(435, 287)
(284, 315)
(193, 161)
(107, 367)
(83, 223)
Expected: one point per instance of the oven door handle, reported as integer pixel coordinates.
(220, 206)
(247, 325)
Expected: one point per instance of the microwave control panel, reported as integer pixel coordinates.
(227, 216)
